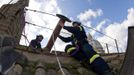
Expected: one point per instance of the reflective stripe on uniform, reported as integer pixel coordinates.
(93, 58)
(80, 28)
(71, 49)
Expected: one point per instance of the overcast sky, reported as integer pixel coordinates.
(108, 16)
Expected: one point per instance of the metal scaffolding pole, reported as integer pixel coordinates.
(107, 48)
(117, 46)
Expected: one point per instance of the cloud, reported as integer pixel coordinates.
(115, 30)
(119, 32)
(49, 6)
(87, 15)
(45, 20)
(99, 27)
(90, 1)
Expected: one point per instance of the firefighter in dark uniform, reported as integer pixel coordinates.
(81, 50)
(35, 44)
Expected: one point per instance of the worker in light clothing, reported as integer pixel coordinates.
(81, 50)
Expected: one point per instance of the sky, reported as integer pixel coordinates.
(110, 17)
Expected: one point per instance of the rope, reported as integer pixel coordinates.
(56, 16)
(57, 57)
(26, 40)
(44, 27)
(40, 12)
(54, 49)
(107, 44)
(68, 33)
(97, 31)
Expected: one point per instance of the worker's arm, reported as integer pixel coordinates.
(65, 39)
(72, 29)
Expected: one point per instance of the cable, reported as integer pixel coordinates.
(57, 57)
(52, 29)
(26, 40)
(44, 27)
(10, 1)
(108, 44)
(38, 25)
(40, 12)
(56, 16)
(97, 31)
(51, 15)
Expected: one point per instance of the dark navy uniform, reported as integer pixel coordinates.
(82, 50)
(35, 44)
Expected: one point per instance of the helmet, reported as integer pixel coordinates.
(39, 36)
(76, 22)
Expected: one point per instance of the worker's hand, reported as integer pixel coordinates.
(61, 24)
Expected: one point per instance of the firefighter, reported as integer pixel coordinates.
(36, 43)
(81, 50)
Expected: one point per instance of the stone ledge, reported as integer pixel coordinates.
(45, 51)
